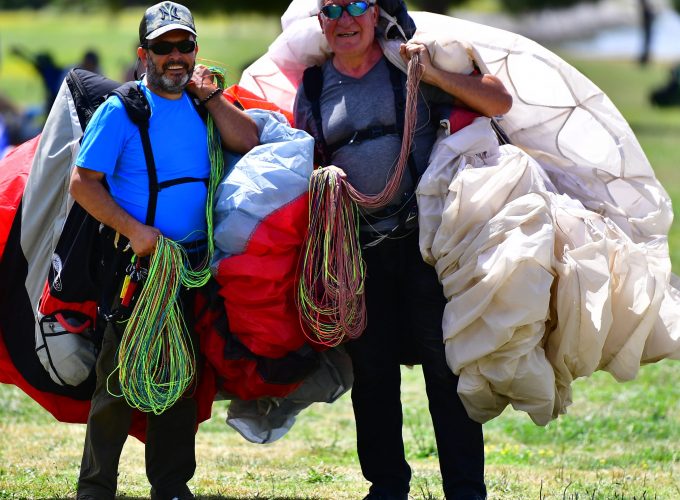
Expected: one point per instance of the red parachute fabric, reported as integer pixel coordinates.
(249, 100)
(258, 285)
(258, 291)
(14, 170)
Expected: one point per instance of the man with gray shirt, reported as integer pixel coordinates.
(354, 109)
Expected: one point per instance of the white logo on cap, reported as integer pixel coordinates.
(168, 10)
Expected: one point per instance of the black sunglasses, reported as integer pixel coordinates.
(164, 48)
(354, 9)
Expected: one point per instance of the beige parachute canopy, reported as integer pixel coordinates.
(552, 250)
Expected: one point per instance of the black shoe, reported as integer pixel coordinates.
(184, 494)
(382, 495)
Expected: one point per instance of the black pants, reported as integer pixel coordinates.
(405, 304)
(169, 452)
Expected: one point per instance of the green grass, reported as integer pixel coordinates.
(617, 441)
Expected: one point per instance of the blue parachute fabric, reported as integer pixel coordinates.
(270, 176)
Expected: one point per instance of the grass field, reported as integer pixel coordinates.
(618, 441)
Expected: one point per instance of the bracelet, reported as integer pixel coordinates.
(211, 95)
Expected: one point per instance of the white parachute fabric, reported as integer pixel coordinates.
(540, 289)
(567, 124)
(553, 251)
(493, 249)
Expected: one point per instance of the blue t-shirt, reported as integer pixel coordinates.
(112, 145)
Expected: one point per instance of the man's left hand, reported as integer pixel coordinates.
(409, 49)
(202, 82)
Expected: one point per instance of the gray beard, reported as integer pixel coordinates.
(157, 79)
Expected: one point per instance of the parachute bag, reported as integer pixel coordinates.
(68, 336)
(86, 268)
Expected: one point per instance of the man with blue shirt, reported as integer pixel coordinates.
(112, 151)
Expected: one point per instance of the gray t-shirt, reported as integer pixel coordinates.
(351, 104)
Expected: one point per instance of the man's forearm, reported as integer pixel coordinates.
(94, 198)
(483, 93)
(87, 189)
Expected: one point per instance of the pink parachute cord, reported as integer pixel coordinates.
(414, 75)
(330, 292)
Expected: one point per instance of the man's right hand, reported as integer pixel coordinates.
(337, 170)
(143, 240)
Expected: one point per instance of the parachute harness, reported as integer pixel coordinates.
(156, 358)
(330, 294)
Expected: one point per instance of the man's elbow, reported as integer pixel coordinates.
(506, 104)
(500, 106)
(75, 184)
(83, 181)
(252, 140)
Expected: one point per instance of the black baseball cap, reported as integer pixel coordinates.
(164, 17)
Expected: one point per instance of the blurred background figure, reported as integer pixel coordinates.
(50, 72)
(4, 138)
(647, 20)
(25, 124)
(90, 62)
(132, 71)
(668, 94)
(16, 125)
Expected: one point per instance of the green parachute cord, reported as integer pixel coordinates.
(156, 358)
(199, 277)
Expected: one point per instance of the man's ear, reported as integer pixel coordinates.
(318, 16)
(143, 56)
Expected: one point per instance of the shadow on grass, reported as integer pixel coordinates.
(257, 497)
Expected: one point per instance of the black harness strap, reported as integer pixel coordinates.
(138, 110)
(182, 180)
(312, 80)
(364, 135)
(154, 188)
